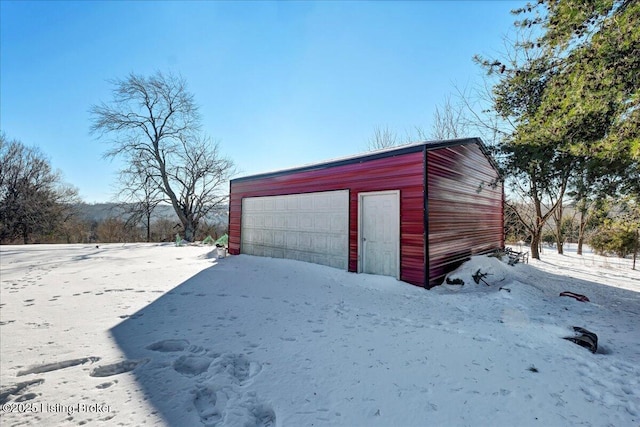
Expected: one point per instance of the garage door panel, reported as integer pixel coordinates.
(304, 242)
(322, 223)
(306, 222)
(292, 203)
(309, 227)
(337, 242)
(269, 205)
(278, 239)
(322, 203)
(336, 202)
(254, 204)
(306, 202)
(321, 244)
(268, 238)
(337, 223)
(280, 222)
(291, 241)
(291, 222)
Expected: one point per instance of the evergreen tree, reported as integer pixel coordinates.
(571, 90)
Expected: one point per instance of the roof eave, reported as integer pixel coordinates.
(374, 155)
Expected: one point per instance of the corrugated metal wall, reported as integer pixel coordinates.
(465, 214)
(463, 210)
(404, 172)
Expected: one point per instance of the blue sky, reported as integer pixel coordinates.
(279, 84)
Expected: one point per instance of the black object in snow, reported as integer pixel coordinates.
(584, 338)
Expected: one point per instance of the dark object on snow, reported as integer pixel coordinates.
(505, 289)
(515, 257)
(578, 297)
(454, 281)
(586, 339)
(478, 276)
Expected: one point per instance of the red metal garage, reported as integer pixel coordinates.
(413, 212)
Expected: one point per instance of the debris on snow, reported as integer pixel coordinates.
(578, 297)
(584, 338)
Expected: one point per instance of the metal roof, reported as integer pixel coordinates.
(375, 155)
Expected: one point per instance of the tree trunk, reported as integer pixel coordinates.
(581, 234)
(559, 236)
(635, 250)
(535, 244)
(148, 227)
(25, 234)
(583, 225)
(189, 231)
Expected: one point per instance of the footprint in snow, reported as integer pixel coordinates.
(18, 390)
(191, 366)
(167, 346)
(105, 385)
(263, 415)
(205, 403)
(237, 366)
(217, 407)
(249, 411)
(26, 397)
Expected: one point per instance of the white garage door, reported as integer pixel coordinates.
(311, 227)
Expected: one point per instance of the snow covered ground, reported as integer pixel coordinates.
(153, 334)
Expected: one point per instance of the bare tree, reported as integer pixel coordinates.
(34, 202)
(155, 121)
(449, 121)
(139, 195)
(383, 138)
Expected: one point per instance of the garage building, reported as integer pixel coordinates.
(412, 212)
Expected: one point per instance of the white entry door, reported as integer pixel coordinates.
(379, 233)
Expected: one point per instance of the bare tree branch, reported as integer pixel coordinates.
(155, 125)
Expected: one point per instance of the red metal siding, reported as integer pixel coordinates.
(465, 213)
(464, 209)
(402, 172)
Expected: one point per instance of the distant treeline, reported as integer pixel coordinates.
(111, 222)
(609, 227)
(37, 206)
